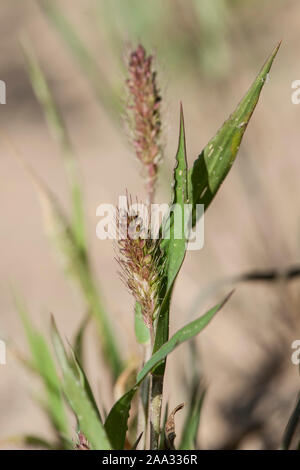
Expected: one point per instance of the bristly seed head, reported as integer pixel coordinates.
(143, 112)
(139, 257)
(82, 443)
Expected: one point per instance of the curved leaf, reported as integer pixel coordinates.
(191, 424)
(44, 365)
(78, 393)
(185, 333)
(216, 159)
(204, 179)
(116, 423)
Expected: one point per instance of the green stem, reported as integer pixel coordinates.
(143, 409)
(155, 409)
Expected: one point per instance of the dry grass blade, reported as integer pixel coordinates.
(75, 262)
(59, 132)
(170, 427)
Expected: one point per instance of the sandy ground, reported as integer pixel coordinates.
(253, 223)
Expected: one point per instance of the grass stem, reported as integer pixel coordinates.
(155, 409)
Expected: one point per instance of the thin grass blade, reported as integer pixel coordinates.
(216, 159)
(79, 397)
(43, 364)
(119, 413)
(59, 131)
(103, 90)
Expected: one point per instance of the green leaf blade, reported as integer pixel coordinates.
(116, 422)
(142, 333)
(173, 248)
(43, 364)
(191, 425)
(59, 131)
(184, 334)
(103, 90)
(216, 159)
(76, 264)
(118, 415)
(79, 397)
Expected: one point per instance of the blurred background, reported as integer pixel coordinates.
(207, 54)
